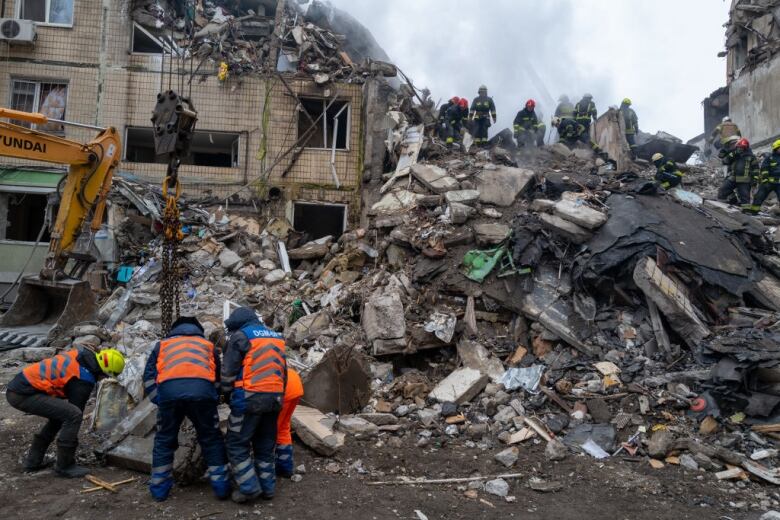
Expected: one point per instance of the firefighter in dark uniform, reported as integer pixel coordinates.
(667, 175)
(442, 128)
(483, 110)
(585, 112)
(528, 128)
(457, 115)
(742, 171)
(631, 125)
(769, 178)
(565, 109)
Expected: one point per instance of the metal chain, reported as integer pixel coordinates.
(172, 235)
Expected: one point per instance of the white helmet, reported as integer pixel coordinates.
(725, 119)
(556, 121)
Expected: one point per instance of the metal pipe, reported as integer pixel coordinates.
(77, 125)
(333, 145)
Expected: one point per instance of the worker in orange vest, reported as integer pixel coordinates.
(182, 378)
(58, 389)
(254, 375)
(284, 447)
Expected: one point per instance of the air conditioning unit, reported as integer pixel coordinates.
(15, 31)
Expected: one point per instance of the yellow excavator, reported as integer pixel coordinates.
(56, 299)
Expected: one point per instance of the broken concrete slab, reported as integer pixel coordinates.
(434, 178)
(507, 457)
(396, 201)
(491, 233)
(462, 196)
(560, 150)
(316, 431)
(671, 301)
(542, 206)
(306, 328)
(380, 419)
(339, 383)
(229, 259)
(460, 213)
(461, 386)
(568, 230)
(384, 323)
(580, 214)
(473, 355)
(355, 425)
(311, 250)
(502, 185)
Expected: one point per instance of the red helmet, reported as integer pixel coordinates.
(455, 100)
(743, 144)
(530, 104)
(463, 103)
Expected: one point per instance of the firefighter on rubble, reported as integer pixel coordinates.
(483, 110)
(769, 178)
(457, 117)
(182, 378)
(254, 378)
(585, 112)
(442, 128)
(528, 129)
(57, 389)
(743, 170)
(631, 122)
(667, 175)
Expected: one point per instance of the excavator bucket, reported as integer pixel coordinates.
(44, 309)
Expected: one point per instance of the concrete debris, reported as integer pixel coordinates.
(316, 430)
(460, 386)
(507, 457)
(498, 487)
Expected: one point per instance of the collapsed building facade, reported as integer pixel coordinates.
(751, 96)
(283, 103)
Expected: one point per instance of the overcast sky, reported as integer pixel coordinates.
(662, 53)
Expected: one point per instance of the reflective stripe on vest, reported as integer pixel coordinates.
(51, 375)
(265, 365)
(186, 357)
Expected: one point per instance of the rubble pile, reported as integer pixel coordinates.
(235, 39)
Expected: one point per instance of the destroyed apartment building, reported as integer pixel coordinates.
(751, 97)
(284, 104)
(479, 311)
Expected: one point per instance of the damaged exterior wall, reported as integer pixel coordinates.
(108, 85)
(753, 69)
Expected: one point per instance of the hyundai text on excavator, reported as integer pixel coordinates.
(56, 299)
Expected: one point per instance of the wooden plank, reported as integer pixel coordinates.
(98, 488)
(102, 483)
(660, 332)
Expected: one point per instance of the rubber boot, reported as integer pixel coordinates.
(35, 459)
(239, 498)
(66, 463)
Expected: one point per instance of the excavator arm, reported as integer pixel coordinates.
(83, 194)
(48, 304)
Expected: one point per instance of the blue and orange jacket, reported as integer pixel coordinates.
(182, 367)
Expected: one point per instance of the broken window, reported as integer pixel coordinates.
(47, 98)
(334, 127)
(209, 148)
(24, 216)
(55, 12)
(144, 42)
(319, 220)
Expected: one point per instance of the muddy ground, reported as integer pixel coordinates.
(618, 489)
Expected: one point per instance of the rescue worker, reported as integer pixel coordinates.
(742, 171)
(182, 378)
(528, 128)
(769, 178)
(254, 376)
(585, 111)
(565, 109)
(457, 115)
(631, 125)
(569, 130)
(284, 445)
(442, 127)
(725, 130)
(58, 388)
(483, 110)
(667, 175)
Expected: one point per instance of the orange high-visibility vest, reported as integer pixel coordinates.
(186, 357)
(264, 365)
(294, 388)
(51, 375)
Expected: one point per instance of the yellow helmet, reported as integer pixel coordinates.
(776, 145)
(626, 101)
(111, 361)
(657, 156)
